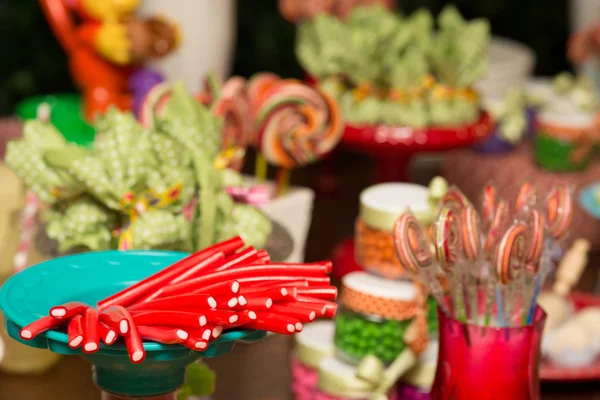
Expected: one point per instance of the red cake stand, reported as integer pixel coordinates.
(393, 146)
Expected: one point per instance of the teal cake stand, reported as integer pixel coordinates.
(88, 278)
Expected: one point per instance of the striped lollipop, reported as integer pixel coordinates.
(500, 220)
(535, 244)
(488, 205)
(559, 211)
(526, 197)
(411, 244)
(454, 198)
(511, 253)
(448, 238)
(470, 227)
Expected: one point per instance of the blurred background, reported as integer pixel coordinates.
(33, 62)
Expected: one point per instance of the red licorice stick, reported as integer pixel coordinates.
(325, 293)
(319, 308)
(258, 287)
(186, 301)
(75, 331)
(276, 323)
(268, 280)
(195, 342)
(227, 302)
(163, 335)
(330, 307)
(303, 314)
(108, 335)
(221, 289)
(246, 255)
(258, 303)
(135, 346)
(221, 317)
(271, 270)
(205, 265)
(117, 318)
(40, 326)
(244, 318)
(68, 310)
(276, 294)
(210, 332)
(91, 331)
(154, 282)
(181, 319)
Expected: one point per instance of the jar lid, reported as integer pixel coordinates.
(571, 119)
(373, 295)
(315, 342)
(381, 205)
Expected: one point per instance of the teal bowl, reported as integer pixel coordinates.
(90, 277)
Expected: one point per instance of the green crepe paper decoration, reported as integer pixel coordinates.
(511, 115)
(460, 52)
(85, 223)
(26, 157)
(377, 46)
(85, 186)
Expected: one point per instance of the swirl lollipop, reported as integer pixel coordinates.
(232, 105)
(533, 260)
(294, 123)
(536, 241)
(526, 197)
(448, 249)
(499, 221)
(508, 261)
(413, 252)
(510, 254)
(470, 227)
(447, 238)
(488, 205)
(559, 211)
(454, 198)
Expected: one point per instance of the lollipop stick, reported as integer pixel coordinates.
(260, 168)
(436, 290)
(500, 306)
(284, 176)
(471, 291)
(458, 298)
(489, 297)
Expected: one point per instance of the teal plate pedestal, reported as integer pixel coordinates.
(88, 278)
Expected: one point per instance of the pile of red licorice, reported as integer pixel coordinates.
(193, 301)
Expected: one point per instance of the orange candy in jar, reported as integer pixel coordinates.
(380, 206)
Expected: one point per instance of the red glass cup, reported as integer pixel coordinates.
(488, 363)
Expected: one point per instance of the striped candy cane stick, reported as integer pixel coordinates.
(28, 226)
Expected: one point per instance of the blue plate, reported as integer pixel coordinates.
(88, 278)
(587, 200)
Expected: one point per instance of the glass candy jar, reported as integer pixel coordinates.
(375, 315)
(380, 206)
(313, 344)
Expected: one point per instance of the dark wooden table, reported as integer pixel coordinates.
(333, 220)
